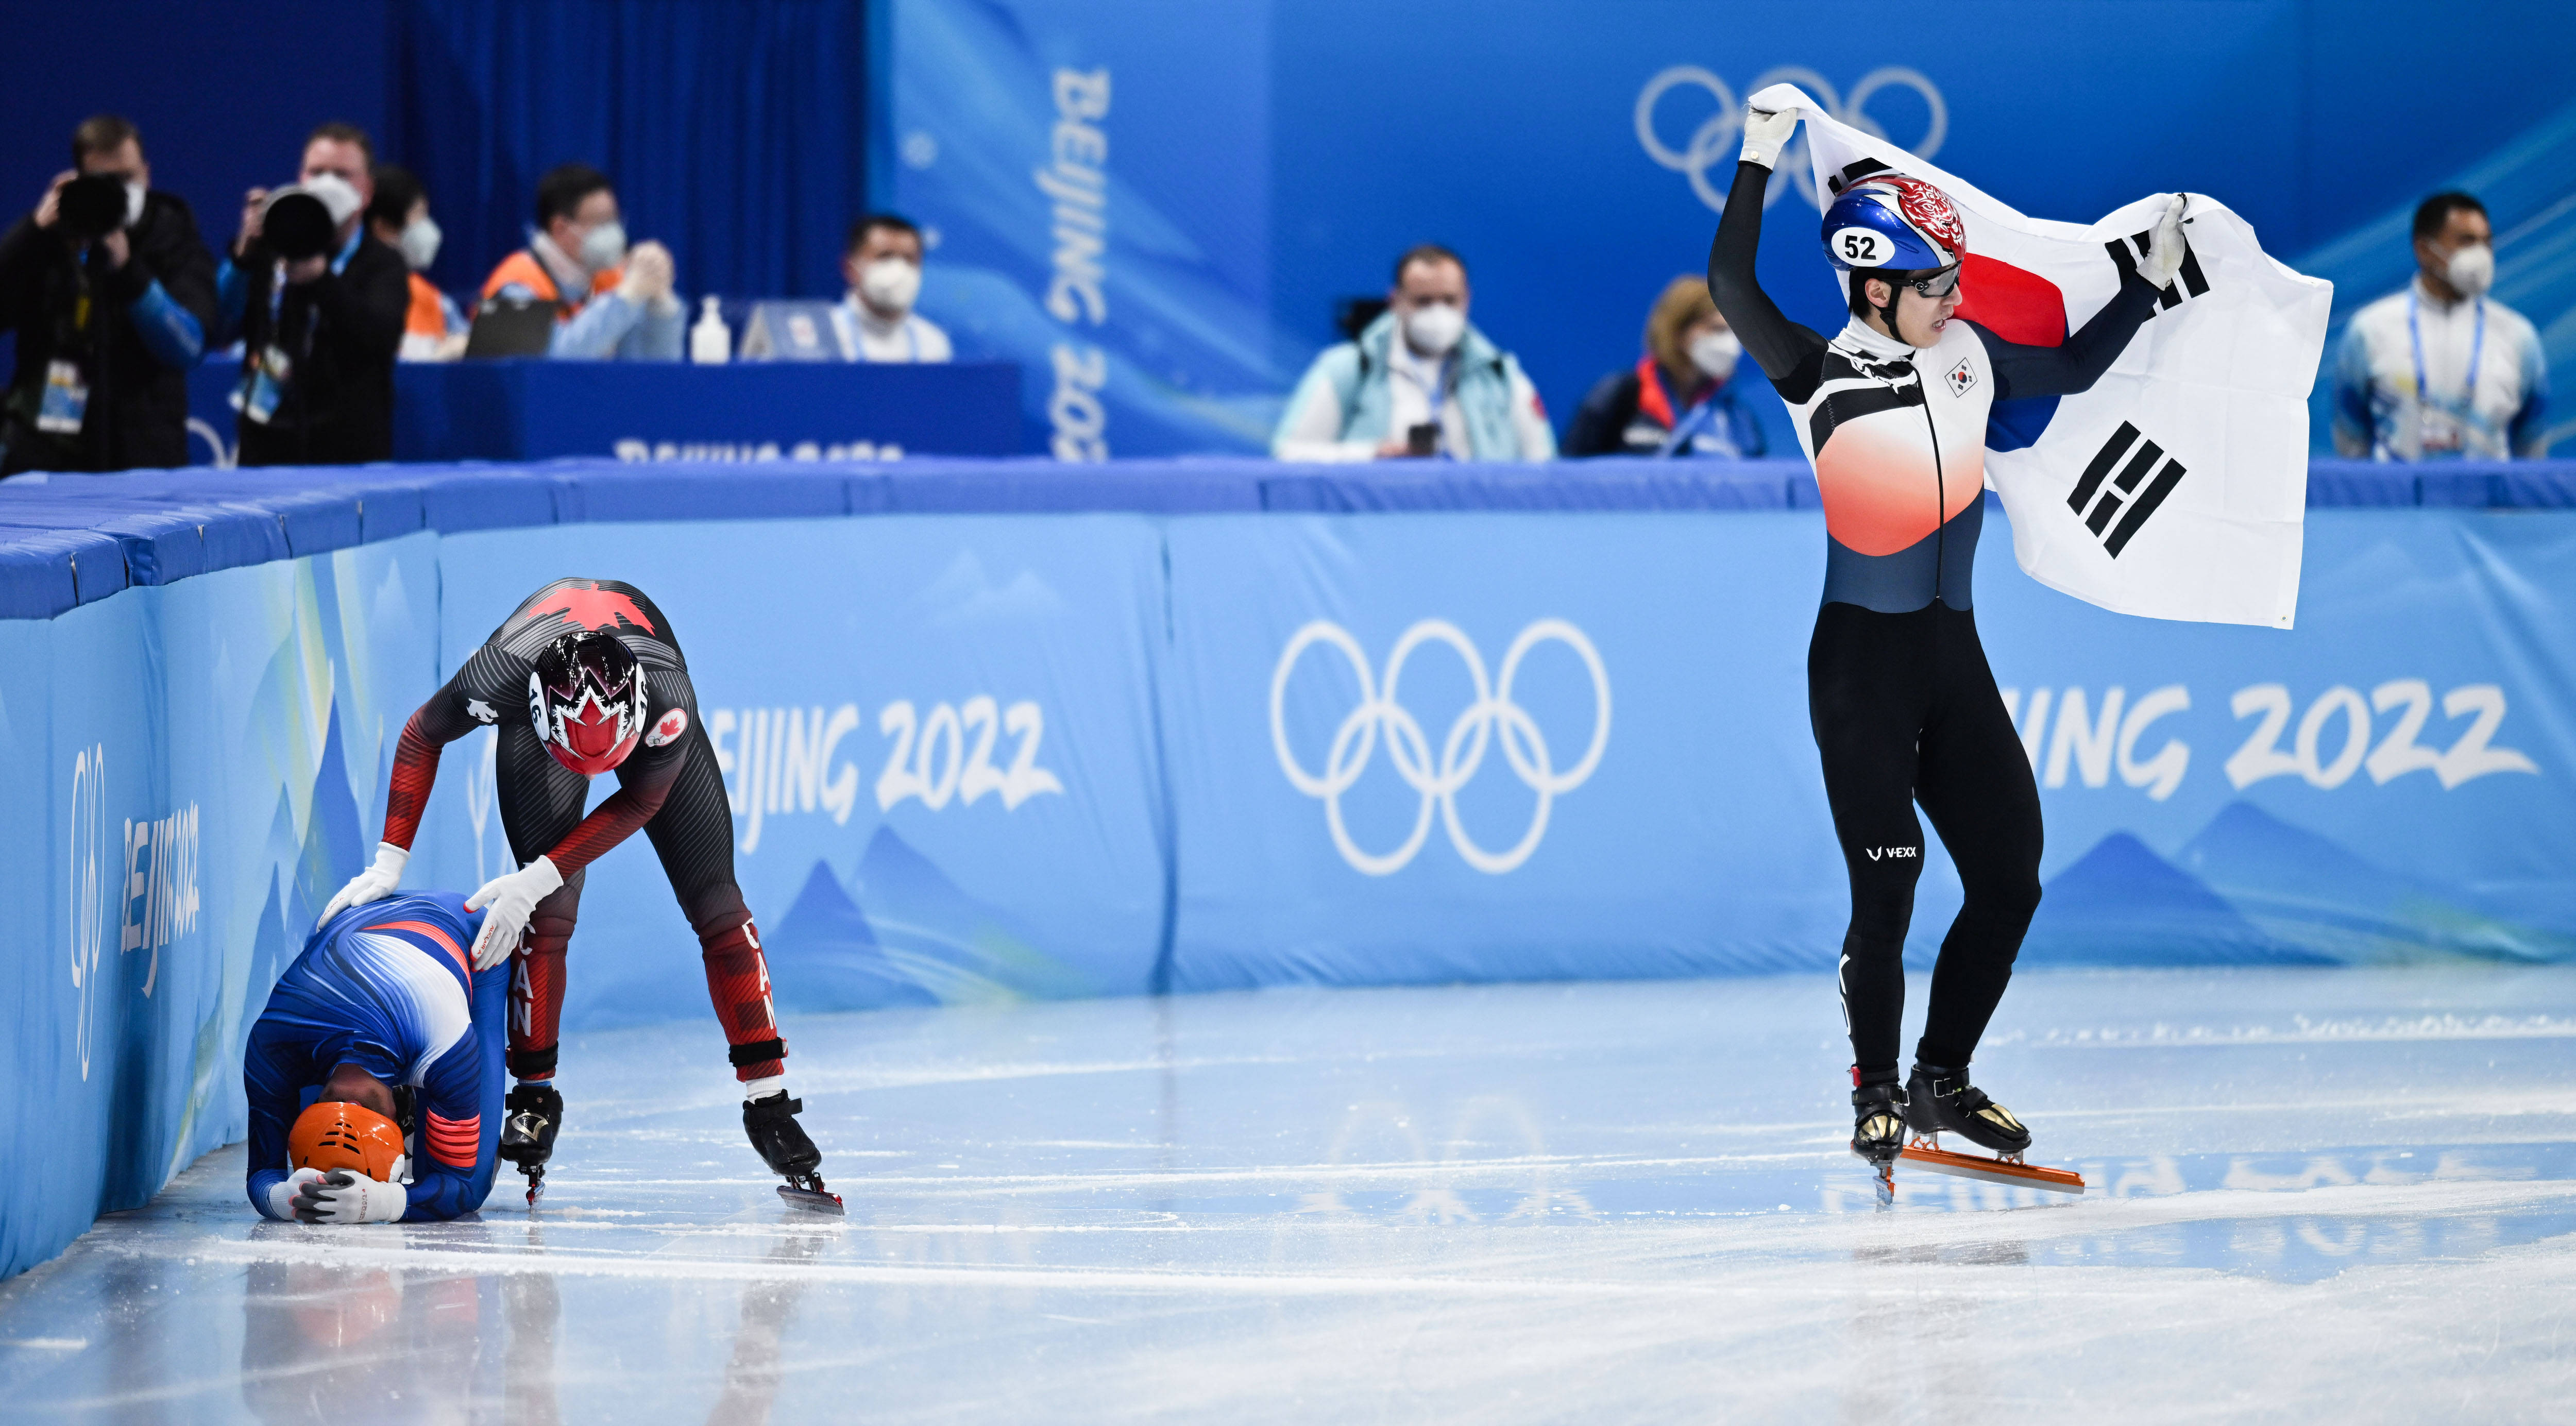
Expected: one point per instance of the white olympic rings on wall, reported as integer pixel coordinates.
(1713, 143)
(1462, 751)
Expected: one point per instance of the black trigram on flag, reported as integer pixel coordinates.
(2190, 283)
(2123, 500)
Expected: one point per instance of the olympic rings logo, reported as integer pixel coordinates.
(1490, 719)
(90, 892)
(1713, 143)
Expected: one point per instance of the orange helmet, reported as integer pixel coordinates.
(338, 1135)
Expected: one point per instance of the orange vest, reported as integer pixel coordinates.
(426, 317)
(522, 269)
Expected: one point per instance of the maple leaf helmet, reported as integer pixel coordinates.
(586, 699)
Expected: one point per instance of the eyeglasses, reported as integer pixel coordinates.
(1939, 285)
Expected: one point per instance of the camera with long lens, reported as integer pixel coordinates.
(91, 207)
(302, 220)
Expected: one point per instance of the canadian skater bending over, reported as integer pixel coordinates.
(1892, 413)
(374, 1075)
(586, 677)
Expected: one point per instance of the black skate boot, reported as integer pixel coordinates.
(1878, 1126)
(1939, 1101)
(771, 1122)
(529, 1119)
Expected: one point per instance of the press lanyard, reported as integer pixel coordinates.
(1699, 418)
(2477, 351)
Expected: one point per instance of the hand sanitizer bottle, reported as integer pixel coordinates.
(710, 341)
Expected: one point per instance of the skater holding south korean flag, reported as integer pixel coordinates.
(2135, 390)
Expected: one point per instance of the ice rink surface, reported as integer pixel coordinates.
(2344, 1195)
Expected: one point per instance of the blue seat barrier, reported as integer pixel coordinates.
(322, 509)
(1004, 728)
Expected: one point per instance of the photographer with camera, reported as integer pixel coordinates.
(110, 292)
(318, 303)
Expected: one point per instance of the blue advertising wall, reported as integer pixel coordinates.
(1230, 170)
(996, 730)
(186, 769)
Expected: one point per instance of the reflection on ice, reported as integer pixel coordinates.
(2341, 1192)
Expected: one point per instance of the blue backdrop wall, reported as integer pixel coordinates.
(1258, 159)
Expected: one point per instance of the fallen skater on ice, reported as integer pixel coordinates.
(379, 1021)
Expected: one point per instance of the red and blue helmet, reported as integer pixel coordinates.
(1889, 221)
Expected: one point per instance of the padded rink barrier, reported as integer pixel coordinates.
(1001, 729)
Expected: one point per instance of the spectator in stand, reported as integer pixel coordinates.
(433, 328)
(319, 334)
(611, 302)
(108, 323)
(1680, 399)
(883, 266)
(2441, 371)
(1418, 381)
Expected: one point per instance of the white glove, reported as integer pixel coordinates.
(2166, 248)
(374, 884)
(509, 900)
(281, 1197)
(648, 273)
(347, 1196)
(1766, 133)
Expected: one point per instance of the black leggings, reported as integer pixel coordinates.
(541, 803)
(1905, 711)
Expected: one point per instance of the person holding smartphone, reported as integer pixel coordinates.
(1417, 382)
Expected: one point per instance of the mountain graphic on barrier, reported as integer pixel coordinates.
(903, 934)
(2306, 890)
(2121, 904)
(2251, 889)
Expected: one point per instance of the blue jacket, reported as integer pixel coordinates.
(387, 987)
(1350, 379)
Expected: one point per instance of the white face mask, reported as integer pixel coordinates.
(419, 244)
(1715, 353)
(890, 284)
(133, 204)
(604, 247)
(1434, 328)
(2471, 270)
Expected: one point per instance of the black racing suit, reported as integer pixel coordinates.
(1904, 707)
(669, 786)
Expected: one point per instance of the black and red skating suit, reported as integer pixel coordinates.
(669, 786)
(1904, 706)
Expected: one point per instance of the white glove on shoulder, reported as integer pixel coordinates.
(347, 1196)
(507, 902)
(2166, 248)
(281, 1196)
(374, 884)
(1766, 133)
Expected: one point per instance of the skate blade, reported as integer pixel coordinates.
(1986, 1170)
(812, 1200)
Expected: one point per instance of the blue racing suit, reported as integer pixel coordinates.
(389, 987)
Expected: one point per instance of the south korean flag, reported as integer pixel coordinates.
(2177, 486)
